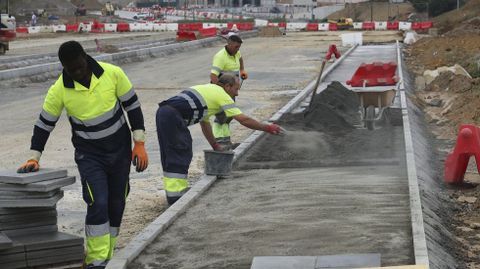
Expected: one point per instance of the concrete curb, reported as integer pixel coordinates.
(165, 49)
(160, 224)
(418, 230)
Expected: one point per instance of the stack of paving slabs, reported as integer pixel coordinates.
(29, 236)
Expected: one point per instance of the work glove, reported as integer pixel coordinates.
(243, 74)
(220, 147)
(139, 156)
(29, 166)
(274, 129)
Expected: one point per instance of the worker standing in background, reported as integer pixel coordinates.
(196, 105)
(95, 96)
(227, 61)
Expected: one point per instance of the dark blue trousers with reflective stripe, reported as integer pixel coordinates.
(105, 185)
(175, 149)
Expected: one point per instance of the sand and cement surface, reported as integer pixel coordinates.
(320, 191)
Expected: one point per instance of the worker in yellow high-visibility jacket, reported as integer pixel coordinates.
(95, 96)
(196, 105)
(227, 61)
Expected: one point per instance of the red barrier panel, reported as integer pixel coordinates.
(7, 35)
(186, 36)
(97, 27)
(426, 24)
(183, 27)
(22, 30)
(416, 25)
(282, 24)
(375, 74)
(468, 144)
(332, 27)
(368, 25)
(312, 27)
(207, 32)
(71, 27)
(123, 27)
(195, 26)
(246, 26)
(392, 25)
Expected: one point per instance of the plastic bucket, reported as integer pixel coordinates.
(218, 163)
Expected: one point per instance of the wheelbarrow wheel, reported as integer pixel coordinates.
(370, 117)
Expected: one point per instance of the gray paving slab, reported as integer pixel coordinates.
(14, 265)
(11, 176)
(32, 230)
(35, 220)
(283, 262)
(55, 260)
(30, 216)
(21, 211)
(8, 194)
(54, 252)
(42, 186)
(5, 242)
(41, 202)
(348, 261)
(11, 258)
(50, 240)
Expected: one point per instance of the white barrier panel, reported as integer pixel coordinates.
(59, 28)
(380, 25)
(110, 27)
(34, 29)
(352, 39)
(323, 26)
(84, 27)
(147, 27)
(405, 26)
(221, 25)
(46, 29)
(259, 22)
(159, 27)
(296, 26)
(172, 26)
(357, 25)
(135, 27)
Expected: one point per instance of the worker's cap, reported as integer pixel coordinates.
(235, 38)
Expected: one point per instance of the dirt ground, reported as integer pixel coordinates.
(274, 64)
(382, 11)
(451, 100)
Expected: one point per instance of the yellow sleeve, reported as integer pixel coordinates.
(123, 83)
(217, 65)
(228, 106)
(53, 103)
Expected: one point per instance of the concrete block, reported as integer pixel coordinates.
(8, 195)
(23, 211)
(42, 186)
(11, 176)
(42, 241)
(348, 261)
(52, 261)
(77, 251)
(41, 202)
(283, 262)
(5, 242)
(27, 221)
(12, 258)
(33, 230)
(13, 265)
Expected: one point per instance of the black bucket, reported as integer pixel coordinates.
(218, 163)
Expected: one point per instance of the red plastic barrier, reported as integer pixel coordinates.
(97, 27)
(416, 25)
(22, 30)
(123, 27)
(368, 25)
(392, 25)
(71, 27)
(375, 74)
(183, 27)
(468, 144)
(246, 26)
(195, 26)
(426, 24)
(7, 35)
(312, 27)
(186, 36)
(207, 32)
(332, 27)
(282, 24)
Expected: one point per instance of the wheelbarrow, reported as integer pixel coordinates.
(375, 85)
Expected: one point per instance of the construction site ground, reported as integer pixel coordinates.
(278, 68)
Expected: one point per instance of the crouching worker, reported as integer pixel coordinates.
(196, 105)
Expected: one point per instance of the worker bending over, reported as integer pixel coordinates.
(195, 105)
(95, 96)
(227, 61)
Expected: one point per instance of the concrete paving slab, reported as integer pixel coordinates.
(55, 252)
(283, 262)
(11, 176)
(54, 260)
(32, 230)
(41, 202)
(14, 265)
(8, 194)
(348, 261)
(11, 258)
(22, 211)
(26, 221)
(5, 242)
(42, 186)
(51, 240)
(31, 216)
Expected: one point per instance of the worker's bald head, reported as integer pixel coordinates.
(230, 84)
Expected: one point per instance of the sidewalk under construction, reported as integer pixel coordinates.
(329, 187)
